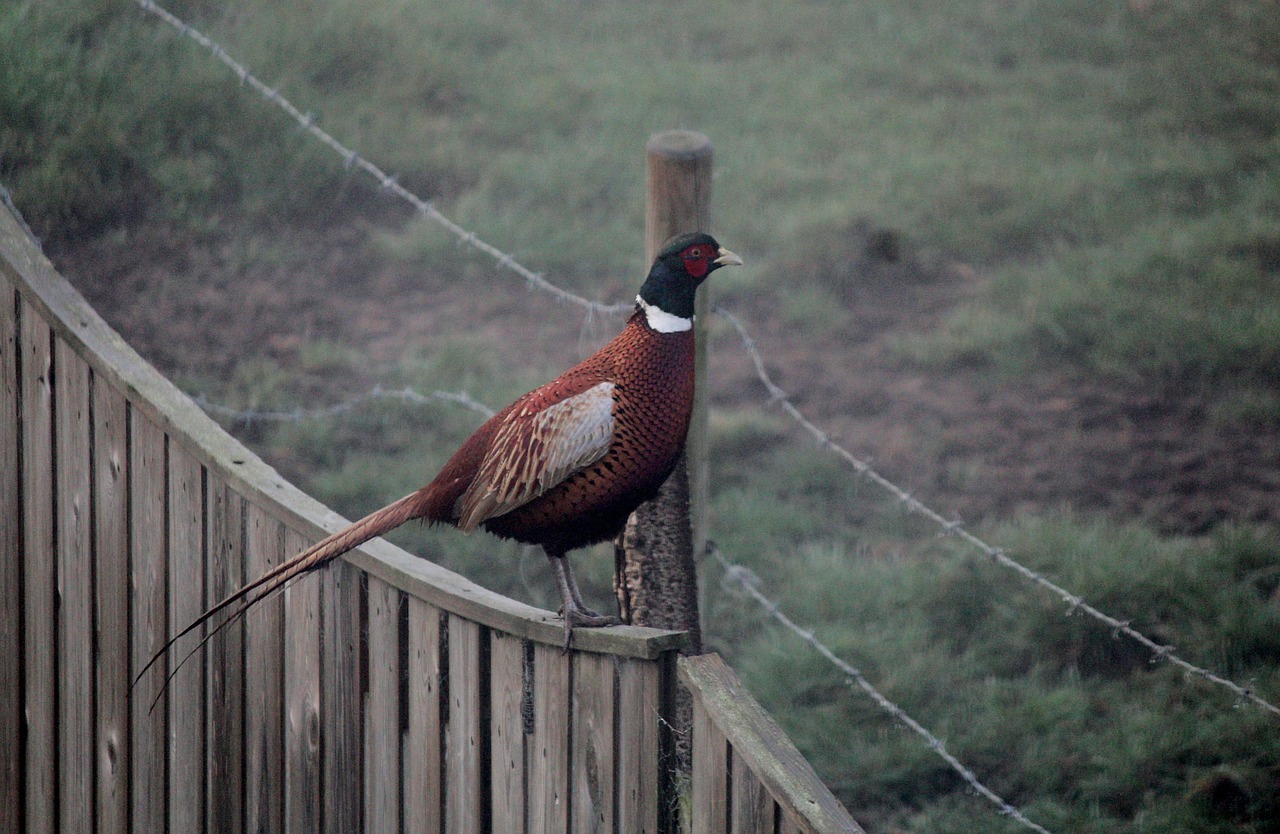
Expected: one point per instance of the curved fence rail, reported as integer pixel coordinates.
(386, 694)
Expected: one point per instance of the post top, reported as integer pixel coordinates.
(679, 144)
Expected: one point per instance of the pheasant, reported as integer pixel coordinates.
(564, 465)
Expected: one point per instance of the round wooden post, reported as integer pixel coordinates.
(656, 576)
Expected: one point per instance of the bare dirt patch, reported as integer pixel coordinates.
(965, 440)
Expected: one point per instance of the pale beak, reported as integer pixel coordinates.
(727, 258)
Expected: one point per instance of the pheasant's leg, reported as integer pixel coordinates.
(575, 612)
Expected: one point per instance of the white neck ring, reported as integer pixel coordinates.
(662, 321)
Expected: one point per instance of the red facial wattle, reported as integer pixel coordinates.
(697, 261)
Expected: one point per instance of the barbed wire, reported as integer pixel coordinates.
(298, 415)
(748, 580)
(954, 527)
(354, 161)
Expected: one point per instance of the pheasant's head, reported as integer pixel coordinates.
(684, 263)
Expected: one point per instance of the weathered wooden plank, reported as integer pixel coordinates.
(593, 744)
(39, 573)
(549, 747)
(111, 552)
(340, 704)
(263, 713)
(789, 824)
(149, 605)
(75, 589)
(302, 698)
(507, 741)
(750, 806)
(11, 645)
(468, 726)
(225, 696)
(639, 714)
(187, 538)
(726, 704)
(382, 710)
(423, 742)
(709, 799)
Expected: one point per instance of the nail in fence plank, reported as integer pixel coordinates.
(593, 743)
(75, 590)
(710, 790)
(466, 743)
(225, 697)
(342, 688)
(423, 799)
(382, 710)
(302, 698)
(111, 520)
(507, 659)
(11, 684)
(549, 751)
(186, 602)
(150, 608)
(750, 808)
(264, 730)
(639, 705)
(40, 605)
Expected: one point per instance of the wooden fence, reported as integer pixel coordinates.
(384, 694)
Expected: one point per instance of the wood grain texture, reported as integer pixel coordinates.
(302, 740)
(11, 644)
(549, 746)
(750, 807)
(40, 635)
(226, 678)
(709, 796)
(724, 707)
(466, 745)
(424, 736)
(148, 516)
(263, 713)
(638, 752)
(594, 751)
(342, 690)
(73, 497)
(382, 710)
(111, 586)
(186, 601)
(508, 770)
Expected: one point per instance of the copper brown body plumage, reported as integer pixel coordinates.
(565, 464)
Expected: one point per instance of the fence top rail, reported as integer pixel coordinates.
(764, 746)
(113, 361)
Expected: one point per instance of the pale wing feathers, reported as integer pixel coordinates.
(534, 451)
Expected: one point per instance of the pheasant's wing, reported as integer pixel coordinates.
(535, 448)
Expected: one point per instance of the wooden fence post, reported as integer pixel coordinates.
(656, 576)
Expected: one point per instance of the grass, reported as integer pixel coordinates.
(1111, 170)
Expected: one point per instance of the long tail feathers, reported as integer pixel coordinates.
(274, 580)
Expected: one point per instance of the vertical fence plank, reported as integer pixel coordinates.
(40, 608)
(423, 798)
(264, 731)
(466, 742)
(750, 807)
(710, 800)
(302, 698)
(593, 743)
(382, 710)
(75, 590)
(186, 602)
(111, 520)
(507, 745)
(549, 754)
(11, 685)
(341, 692)
(225, 696)
(149, 585)
(639, 710)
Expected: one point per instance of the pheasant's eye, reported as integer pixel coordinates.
(695, 252)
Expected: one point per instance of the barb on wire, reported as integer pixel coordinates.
(299, 415)
(352, 159)
(751, 584)
(954, 528)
